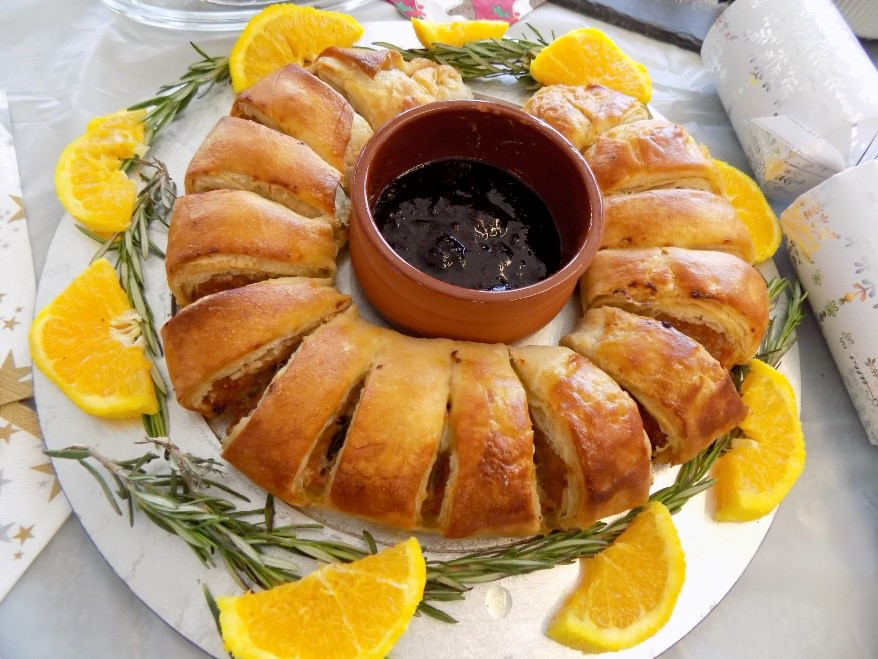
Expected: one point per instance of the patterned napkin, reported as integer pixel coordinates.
(446, 10)
(800, 90)
(832, 234)
(32, 507)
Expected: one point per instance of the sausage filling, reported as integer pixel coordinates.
(240, 392)
(315, 477)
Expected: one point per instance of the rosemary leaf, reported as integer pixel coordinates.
(443, 596)
(143, 235)
(130, 500)
(370, 541)
(211, 604)
(228, 490)
(435, 613)
(157, 380)
(269, 512)
(70, 453)
(106, 488)
(158, 251)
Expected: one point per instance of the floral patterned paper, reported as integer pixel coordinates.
(445, 10)
(800, 90)
(832, 234)
(32, 507)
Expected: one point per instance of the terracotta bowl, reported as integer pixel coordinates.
(501, 135)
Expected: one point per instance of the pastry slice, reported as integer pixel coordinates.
(223, 350)
(288, 444)
(714, 298)
(491, 485)
(592, 456)
(393, 439)
(581, 113)
(650, 154)
(380, 83)
(242, 155)
(694, 219)
(300, 105)
(230, 238)
(687, 398)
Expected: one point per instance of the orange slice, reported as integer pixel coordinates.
(629, 590)
(752, 208)
(587, 56)
(87, 341)
(340, 611)
(761, 469)
(287, 34)
(457, 33)
(89, 179)
(119, 135)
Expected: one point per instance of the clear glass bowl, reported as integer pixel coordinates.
(208, 15)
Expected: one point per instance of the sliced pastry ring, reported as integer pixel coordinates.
(463, 439)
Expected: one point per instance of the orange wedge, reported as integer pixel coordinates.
(587, 56)
(87, 341)
(88, 177)
(761, 468)
(753, 209)
(357, 610)
(629, 590)
(287, 34)
(118, 135)
(457, 33)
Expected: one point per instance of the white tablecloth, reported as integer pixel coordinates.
(812, 589)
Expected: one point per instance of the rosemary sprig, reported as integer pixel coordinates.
(178, 502)
(172, 99)
(450, 579)
(132, 248)
(780, 335)
(154, 203)
(542, 552)
(487, 58)
(254, 552)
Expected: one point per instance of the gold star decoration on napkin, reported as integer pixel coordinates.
(31, 505)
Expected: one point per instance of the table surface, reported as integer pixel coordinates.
(811, 588)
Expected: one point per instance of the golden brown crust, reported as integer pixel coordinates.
(273, 444)
(581, 113)
(380, 84)
(441, 82)
(715, 298)
(224, 237)
(302, 106)
(242, 155)
(689, 394)
(366, 60)
(650, 154)
(394, 437)
(594, 426)
(694, 219)
(221, 334)
(491, 490)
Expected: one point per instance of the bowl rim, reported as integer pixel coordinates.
(362, 212)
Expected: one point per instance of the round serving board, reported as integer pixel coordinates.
(506, 618)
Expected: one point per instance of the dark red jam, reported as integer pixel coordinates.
(470, 224)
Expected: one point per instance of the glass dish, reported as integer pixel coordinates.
(208, 15)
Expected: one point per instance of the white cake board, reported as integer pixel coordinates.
(504, 619)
